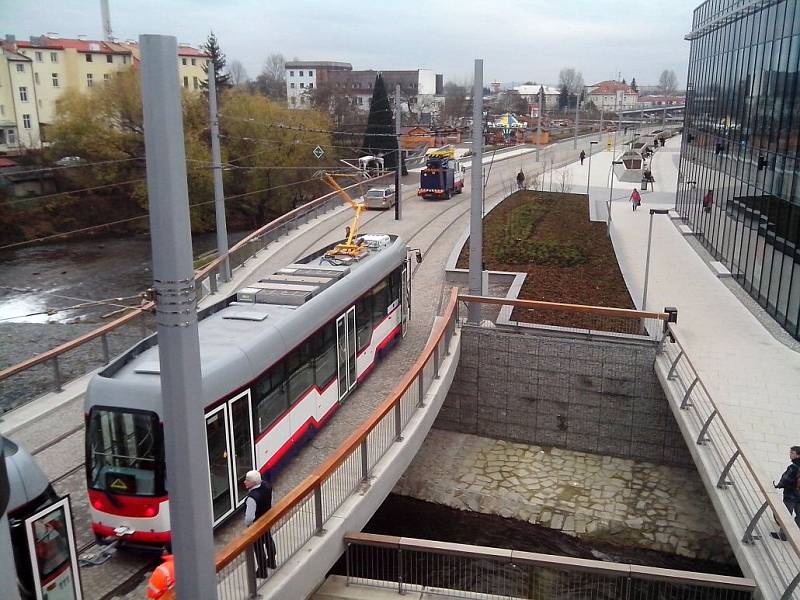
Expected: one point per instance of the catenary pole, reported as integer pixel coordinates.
(216, 159)
(476, 198)
(577, 117)
(397, 192)
(539, 124)
(176, 317)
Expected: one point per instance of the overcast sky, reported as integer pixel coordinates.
(518, 39)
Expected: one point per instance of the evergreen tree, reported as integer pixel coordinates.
(379, 124)
(217, 57)
(563, 97)
(633, 85)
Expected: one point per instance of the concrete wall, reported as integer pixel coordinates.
(594, 394)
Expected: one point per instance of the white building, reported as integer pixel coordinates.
(303, 76)
(611, 95)
(530, 93)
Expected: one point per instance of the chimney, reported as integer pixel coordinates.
(106, 16)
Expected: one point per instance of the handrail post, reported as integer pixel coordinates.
(399, 570)
(787, 593)
(106, 352)
(685, 402)
(398, 423)
(347, 563)
(436, 361)
(56, 374)
(318, 509)
(674, 365)
(748, 537)
(421, 389)
(722, 482)
(212, 281)
(250, 571)
(364, 460)
(701, 438)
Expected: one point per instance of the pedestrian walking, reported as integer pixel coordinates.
(161, 584)
(790, 484)
(636, 199)
(520, 180)
(708, 200)
(259, 501)
(583, 157)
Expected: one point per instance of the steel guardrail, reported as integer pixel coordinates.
(739, 484)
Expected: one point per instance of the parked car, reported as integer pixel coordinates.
(70, 161)
(380, 197)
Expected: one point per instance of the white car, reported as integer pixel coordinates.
(380, 197)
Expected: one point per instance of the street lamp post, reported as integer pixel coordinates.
(611, 192)
(653, 211)
(589, 175)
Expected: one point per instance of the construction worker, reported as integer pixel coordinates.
(162, 581)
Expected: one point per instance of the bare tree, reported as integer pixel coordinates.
(511, 101)
(668, 82)
(455, 102)
(237, 73)
(570, 79)
(564, 184)
(271, 82)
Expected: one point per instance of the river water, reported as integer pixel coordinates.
(44, 291)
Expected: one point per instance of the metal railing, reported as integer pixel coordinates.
(465, 571)
(573, 318)
(747, 503)
(49, 371)
(302, 513)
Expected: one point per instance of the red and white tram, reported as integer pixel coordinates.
(278, 359)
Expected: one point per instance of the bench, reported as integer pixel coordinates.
(720, 269)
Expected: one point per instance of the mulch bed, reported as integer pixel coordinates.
(568, 258)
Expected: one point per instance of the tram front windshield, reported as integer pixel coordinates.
(125, 452)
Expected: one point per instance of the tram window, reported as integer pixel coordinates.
(325, 362)
(364, 321)
(270, 394)
(380, 300)
(126, 452)
(301, 373)
(394, 286)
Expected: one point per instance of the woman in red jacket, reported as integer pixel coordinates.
(636, 199)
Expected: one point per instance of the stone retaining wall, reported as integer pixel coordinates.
(589, 393)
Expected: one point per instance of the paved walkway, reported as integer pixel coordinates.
(754, 378)
(618, 500)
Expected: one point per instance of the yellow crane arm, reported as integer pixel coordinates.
(348, 248)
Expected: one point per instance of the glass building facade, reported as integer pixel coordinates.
(739, 176)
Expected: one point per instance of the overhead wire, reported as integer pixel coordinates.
(75, 166)
(144, 216)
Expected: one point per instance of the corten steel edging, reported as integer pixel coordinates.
(779, 510)
(693, 578)
(200, 275)
(625, 313)
(352, 444)
(72, 344)
(552, 561)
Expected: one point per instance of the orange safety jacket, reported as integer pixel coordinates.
(162, 581)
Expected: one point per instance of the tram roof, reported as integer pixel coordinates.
(240, 339)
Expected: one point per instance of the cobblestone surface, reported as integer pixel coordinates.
(586, 495)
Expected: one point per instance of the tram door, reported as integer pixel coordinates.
(346, 351)
(229, 435)
(53, 555)
(405, 297)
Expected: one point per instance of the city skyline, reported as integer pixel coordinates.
(530, 40)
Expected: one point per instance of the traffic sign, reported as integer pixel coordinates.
(318, 152)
